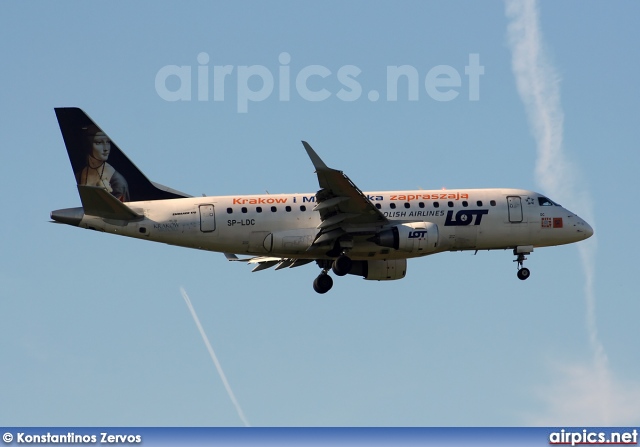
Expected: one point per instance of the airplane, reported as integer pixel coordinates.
(339, 227)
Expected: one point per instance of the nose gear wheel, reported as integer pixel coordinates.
(523, 272)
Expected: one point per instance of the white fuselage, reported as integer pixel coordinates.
(285, 225)
(343, 229)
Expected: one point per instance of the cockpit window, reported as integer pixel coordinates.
(543, 201)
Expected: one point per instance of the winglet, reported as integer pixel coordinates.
(97, 201)
(317, 161)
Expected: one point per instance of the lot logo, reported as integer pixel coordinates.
(465, 217)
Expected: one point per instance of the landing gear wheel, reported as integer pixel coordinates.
(342, 265)
(323, 283)
(523, 273)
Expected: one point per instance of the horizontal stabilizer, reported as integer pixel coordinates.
(97, 201)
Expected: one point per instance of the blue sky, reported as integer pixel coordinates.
(95, 331)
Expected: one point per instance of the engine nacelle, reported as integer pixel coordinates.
(386, 270)
(413, 237)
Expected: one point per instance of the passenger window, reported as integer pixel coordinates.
(244, 209)
(465, 203)
(407, 205)
(259, 209)
(393, 206)
(229, 210)
(378, 206)
(436, 204)
(274, 209)
(288, 209)
(303, 208)
(479, 203)
(450, 204)
(421, 204)
(493, 203)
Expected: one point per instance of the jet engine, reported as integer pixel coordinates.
(385, 270)
(412, 237)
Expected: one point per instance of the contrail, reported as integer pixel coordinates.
(538, 87)
(214, 358)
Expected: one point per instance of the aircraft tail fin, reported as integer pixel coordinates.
(97, 161)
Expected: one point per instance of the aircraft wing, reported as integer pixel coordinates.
(342, 206)
(265, 262)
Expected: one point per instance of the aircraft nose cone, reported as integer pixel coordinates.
(585, 229)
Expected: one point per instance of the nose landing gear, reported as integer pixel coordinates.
(523, 273)
(521, 252)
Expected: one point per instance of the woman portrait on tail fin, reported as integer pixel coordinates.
(97, 172)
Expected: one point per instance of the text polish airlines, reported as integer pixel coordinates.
(340, 228)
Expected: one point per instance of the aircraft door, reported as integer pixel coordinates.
(515, 209)
(207, 219)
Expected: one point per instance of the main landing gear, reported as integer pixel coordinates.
(340, 266)
(323, 283)
(523, 272)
